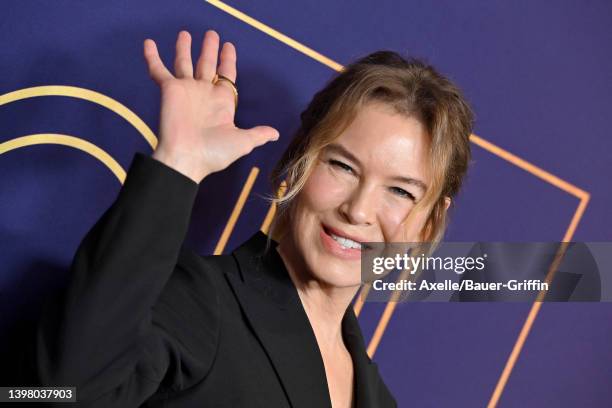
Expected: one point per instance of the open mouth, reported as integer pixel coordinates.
(345, 242)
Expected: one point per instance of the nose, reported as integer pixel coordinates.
(359, 208)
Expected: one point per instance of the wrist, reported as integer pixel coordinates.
(181, 163)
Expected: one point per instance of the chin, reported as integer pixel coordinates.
(336, 277)
(333, 272)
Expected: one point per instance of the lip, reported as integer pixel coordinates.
(340, 233)
(338, 250)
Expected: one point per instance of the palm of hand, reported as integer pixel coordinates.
(197, 131)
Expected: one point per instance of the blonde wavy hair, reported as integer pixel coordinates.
(411, 88)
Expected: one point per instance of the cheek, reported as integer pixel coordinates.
(392, 218)
(324, 190)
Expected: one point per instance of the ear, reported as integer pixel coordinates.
(447, 202)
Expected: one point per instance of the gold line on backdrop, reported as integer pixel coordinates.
(265, 225)
(533, 313)
(88, 95)
(231, 223)
(65, 140)
(276, 34)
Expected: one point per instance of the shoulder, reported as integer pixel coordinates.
(202, 272)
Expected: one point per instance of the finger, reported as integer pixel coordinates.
(206, 67)
(157, 69)
(227, 66)
(183, 67)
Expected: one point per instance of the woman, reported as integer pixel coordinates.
(380, 152)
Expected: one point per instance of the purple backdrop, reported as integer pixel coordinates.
(537, 75)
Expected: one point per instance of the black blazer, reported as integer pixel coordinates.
(147, 322)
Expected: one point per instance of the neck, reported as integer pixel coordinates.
(325, 305)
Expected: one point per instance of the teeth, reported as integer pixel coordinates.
(345, 242)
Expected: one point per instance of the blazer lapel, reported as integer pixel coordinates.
(272, 306)
(366, 377)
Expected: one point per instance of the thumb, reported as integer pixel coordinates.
(262, 134)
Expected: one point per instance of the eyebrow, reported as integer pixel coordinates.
(341, 150)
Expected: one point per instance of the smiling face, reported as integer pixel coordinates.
(361, 189)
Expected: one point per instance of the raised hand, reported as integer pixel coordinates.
(197, 132)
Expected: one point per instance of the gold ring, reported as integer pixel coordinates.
(218, 78)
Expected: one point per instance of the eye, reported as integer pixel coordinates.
(341, 165)
(402, 193)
